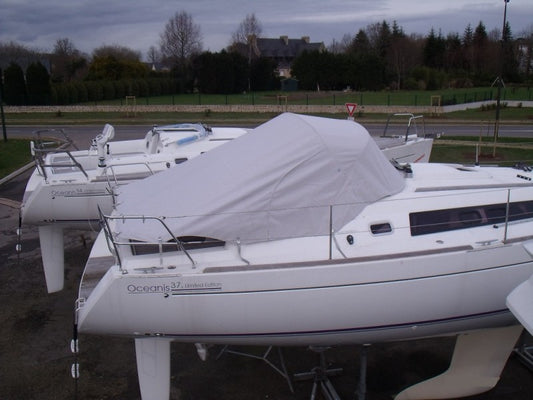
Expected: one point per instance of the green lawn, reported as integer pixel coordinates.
(403, 97)
(467, 155)
(508, 152)
(13, 155)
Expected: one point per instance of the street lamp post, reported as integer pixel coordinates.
(500, 80)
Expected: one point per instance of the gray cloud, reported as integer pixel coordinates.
(90, 24)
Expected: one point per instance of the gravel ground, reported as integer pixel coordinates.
(36, 328)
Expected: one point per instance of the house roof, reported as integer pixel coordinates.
(283, 47)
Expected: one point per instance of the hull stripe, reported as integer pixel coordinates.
(428, 323)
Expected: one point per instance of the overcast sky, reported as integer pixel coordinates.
(137, 24)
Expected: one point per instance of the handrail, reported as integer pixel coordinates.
(109, 238)
(505, 220)
(412, 118)
(40, 156)
(39, 148)
(116, 243)
(114, 175)
(42, 144)
(202, 129)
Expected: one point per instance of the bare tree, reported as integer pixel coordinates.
(249, 28)
(67, 62)
(18, 54)
(64, 47)
(342, 46)
(243, 40)
(181, 38)
(153, 55)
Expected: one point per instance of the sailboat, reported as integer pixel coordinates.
(303, 233)
(67, 187)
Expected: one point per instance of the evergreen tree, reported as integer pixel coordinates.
(262, 75)
(14, 86)
(480, 43)
(368, 72)
(221, 73)
(384, 40)
(38, 84)
(205, 72)
(468, 48)
(360, 44)
(509, 58)
(453, 56)
(397, 31)
(434, 49)
(399, 55)
(382, 48)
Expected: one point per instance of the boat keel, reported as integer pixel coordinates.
(153, 367)
(52, 253)
(477, 362)
(520, 302)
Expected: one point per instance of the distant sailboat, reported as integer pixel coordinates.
(67, 187)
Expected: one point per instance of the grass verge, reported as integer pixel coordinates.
(13, 154)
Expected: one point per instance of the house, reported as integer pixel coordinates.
(282, 50)
(156, 66)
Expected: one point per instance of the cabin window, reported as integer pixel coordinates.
(496, 213)
(179, 160)
(470, 218)
(434, 221)
(381, 228)
(188, 242)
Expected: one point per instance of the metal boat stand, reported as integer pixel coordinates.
(363, 357)
(525, 353)
(320, 376)
(282, 369)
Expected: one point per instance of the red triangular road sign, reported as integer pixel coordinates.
(351, 108)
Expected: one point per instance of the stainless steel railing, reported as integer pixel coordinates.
(114, 243)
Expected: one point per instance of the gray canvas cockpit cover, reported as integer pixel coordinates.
(276, 182)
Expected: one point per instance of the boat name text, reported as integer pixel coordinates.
(173, 287)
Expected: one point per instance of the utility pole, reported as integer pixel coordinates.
(2, 105)
(499, 80)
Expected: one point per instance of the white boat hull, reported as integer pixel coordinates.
(412, 151)
(326, 303)
(302, 259)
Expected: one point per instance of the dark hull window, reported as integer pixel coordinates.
(450, 219)
(378, 229)
(188, 242)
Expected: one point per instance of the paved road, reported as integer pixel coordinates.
(82, 135)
